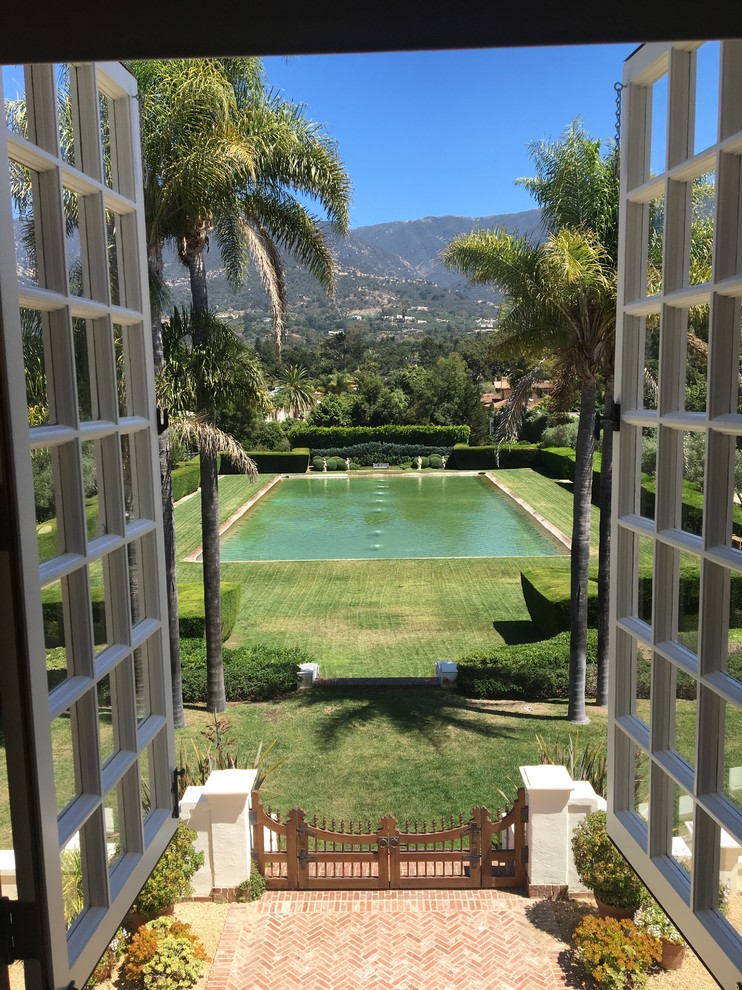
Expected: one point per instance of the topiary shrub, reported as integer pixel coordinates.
(435, 461)
(602, 868)
(170, 881)
(532, 671)
(191, 618)
(491, 457)
(164, 954)
(548, 598)
(251, 673)
(186, 479)
(259, 673)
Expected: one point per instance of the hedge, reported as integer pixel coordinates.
(191, 620)
(560, 462)
(251, 673)
(368, 454)
(323, 437)
(271, 461)
(531, 671)
(547, 595)
(186, 479)
(466, 458)
(548, 599)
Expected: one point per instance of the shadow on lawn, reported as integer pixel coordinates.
(427, 712)
(517, 631)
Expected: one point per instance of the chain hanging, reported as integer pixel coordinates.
(619, 88)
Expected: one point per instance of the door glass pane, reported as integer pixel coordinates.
(14, 98)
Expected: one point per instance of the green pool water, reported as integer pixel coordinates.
(337, 518)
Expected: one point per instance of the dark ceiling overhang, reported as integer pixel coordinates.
(91, 29)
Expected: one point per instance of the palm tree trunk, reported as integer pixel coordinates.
(604, 552)
(581, 553)
(168, 513)
(216, 699)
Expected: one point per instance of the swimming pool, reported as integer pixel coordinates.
(347, 518)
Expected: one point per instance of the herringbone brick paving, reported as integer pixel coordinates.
(390, 940)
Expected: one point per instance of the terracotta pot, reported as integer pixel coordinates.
(608, 911)
(673, 954)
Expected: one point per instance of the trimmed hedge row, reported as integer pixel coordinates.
(186, 479)
(251, 673)
(191, 621)
(466, 458)
(560, 462)
(531, 671)
(547, 595)
(324, 437)
(548, 599)
(272, 461)
(368, 454)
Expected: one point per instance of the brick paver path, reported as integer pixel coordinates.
(405, 940)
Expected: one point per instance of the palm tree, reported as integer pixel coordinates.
(225, 158)
(189, 147)
(560, 302)
(576, 186)
(206, 367)
(295, 393)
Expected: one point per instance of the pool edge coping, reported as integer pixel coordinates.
(549, 527)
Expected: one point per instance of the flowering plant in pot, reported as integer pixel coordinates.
(602, 868)
(615, 952)
(650, 918)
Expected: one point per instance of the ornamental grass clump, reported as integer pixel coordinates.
(602, 868)
(164, 954)
(616, 953)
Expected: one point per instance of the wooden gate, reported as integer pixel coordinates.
(484, 851)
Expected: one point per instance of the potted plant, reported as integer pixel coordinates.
(601, 867)
(615, 952)
(170, 881)
(652, 919)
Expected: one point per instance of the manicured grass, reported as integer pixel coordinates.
(552, 499)
(379, 617)
(420, 752)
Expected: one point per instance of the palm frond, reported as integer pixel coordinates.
(198, 430)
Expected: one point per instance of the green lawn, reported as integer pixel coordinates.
(381, 617)
(420, 752)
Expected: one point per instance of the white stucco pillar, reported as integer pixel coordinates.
(194, 811)
(219, 813)
(556, 804)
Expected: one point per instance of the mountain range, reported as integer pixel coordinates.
(387, 266)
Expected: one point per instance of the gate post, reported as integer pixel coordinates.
(388, 852)
(296, 852)
(258, 837)
(477, 868)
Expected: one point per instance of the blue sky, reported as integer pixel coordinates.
(436, 133)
